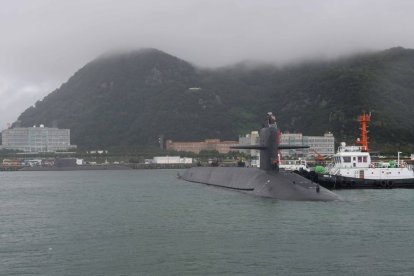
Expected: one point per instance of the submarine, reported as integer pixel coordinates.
(266, 181)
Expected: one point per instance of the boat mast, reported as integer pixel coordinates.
(364, 119)
(279, 153)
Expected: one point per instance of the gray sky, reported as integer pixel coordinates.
(45, 41)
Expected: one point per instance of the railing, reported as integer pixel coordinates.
(386, 165)
(331, 169)
(330, 166)
(349, 148)
(334, 171)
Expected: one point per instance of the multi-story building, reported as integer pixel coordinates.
(251, 139)
(318, 145)
(36, 139)
(196, 147)
(295, 139)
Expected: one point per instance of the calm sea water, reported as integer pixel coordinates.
(150, 223)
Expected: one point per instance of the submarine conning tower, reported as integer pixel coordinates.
(268, 145)
(268, 139)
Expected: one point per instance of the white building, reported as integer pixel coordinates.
(36, 139)
(318, 145)
(295, 139)
(251, 139)
(171, 160)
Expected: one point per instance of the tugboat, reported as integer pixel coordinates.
(352, 167)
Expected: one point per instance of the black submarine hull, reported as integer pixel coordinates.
(281, 185)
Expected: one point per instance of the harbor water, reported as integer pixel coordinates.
(148, 222)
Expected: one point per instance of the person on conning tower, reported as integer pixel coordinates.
(271, 119)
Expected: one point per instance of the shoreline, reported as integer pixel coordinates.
(99, 167)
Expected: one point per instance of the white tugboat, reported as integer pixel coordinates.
(352, 168)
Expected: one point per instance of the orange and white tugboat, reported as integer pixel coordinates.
(352, 167)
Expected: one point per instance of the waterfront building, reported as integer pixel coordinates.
(292, 139)
(12, 162)
(36, 139)
(251, 139)
(318, 145)
(171, 160)
(196, 147)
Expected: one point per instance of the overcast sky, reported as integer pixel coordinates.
(43, 42)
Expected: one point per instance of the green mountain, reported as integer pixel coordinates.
(130, 99)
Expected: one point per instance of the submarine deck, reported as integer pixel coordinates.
(280, 185)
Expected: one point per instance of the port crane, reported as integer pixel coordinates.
(318, 157)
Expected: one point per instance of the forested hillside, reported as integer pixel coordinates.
(129, 99)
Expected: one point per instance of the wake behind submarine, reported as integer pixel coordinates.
(268, 181)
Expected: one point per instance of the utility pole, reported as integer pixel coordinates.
(398, 158)
(161, 141)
